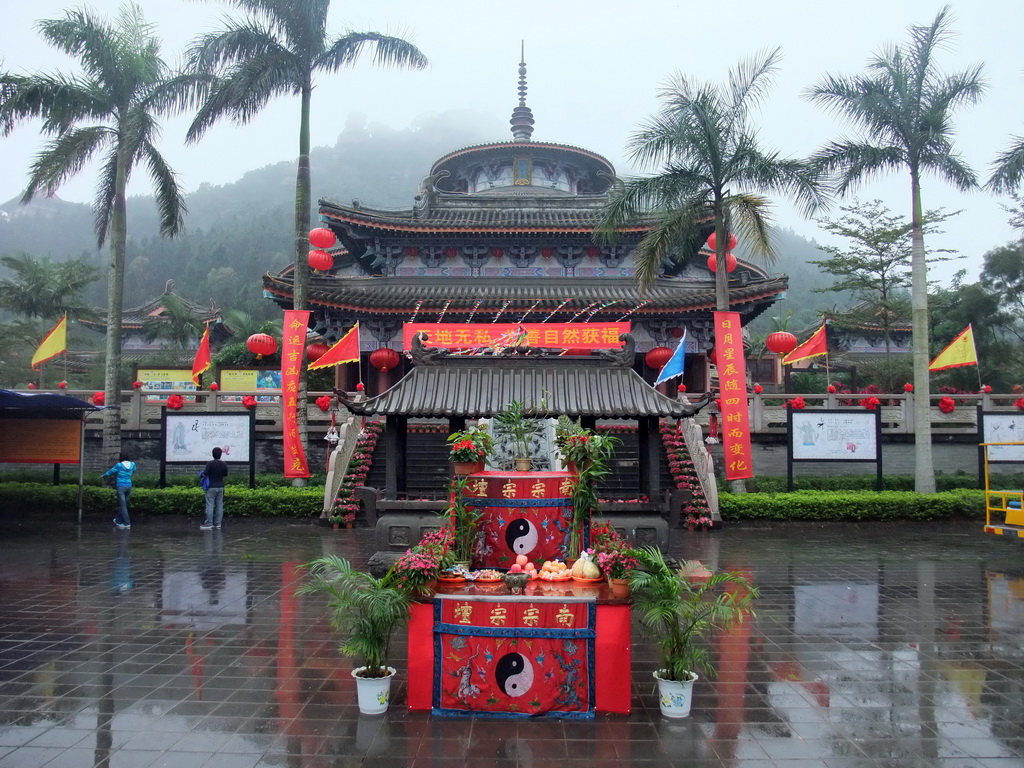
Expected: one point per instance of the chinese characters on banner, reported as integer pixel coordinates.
(732, 384)
(554, 335)
(292, 348)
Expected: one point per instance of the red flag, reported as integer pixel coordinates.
(814, 346)
(345, 351)
(202, 361)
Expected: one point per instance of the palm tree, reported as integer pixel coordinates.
(46, 290)
(1008, 169)
(277, 49)
(177, 323)
(109, 112)
(903, 106)
(712, 169)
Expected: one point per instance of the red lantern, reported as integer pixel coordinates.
(384, 359)
(98, 398)
(758, 389)
(62, 385)
(315, 351)
(137, 385)
(578, 352)
(451, 253)
(322, 237)
(908, 387)
(676, 332)
(412, 251)
(730, 262)
(831, 389)
(987, 389)
(547, 253)
(360, 387)
(31, 385)
(712, 357)
(497, 253)
(730, 242)
(593, 251)
(261, 344)
(214, 386)
(657, 358)
(681, 388)
(947, 405)
(320, 260)
(780, 342)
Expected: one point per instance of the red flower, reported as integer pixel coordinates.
(986, 389)
(98, 398)
(175, 402)
(62, 385)
(249, 401)
(831, 389)
(908, 387)
(214, 386)
(137, 385)
(797, 403)
(1019, 402)
(758, 389)
(324, 403)
(947, 405)
(681, 388)
(871, 403)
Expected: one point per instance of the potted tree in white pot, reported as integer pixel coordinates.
(367, 611)
(680, 612)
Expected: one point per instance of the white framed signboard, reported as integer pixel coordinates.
(189, 437)
(834, 435)
(1003, 427)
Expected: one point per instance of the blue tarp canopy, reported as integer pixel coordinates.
(44, 404)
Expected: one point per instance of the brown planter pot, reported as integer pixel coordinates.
(524, 465)
(337, 526)
(464, 468)
(620, 587)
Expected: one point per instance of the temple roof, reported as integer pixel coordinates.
(462, 295)
(479, 387)
(134, 318)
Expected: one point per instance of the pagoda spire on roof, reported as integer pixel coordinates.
(522, 116)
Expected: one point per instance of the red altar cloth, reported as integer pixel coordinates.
(523, 513)
(559, 649)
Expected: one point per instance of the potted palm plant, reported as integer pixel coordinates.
(680, 612)
(367, 611)
(521, 429)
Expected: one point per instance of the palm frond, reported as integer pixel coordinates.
(750, 79)
(387, 52)
(851, 162)
(103, 201)
(170, 198)
(64, 157)
(751, 217)
(1008, 168)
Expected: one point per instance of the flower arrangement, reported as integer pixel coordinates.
(324, 403)
(414, 569)
(98, 398)
(175, 402)
(680, 466)
(797, 403)
(471, 445)
(1019, 402)
(618, 563)
(249, 401)
(947, 405)
(871, 403)
(698, 521)
(346, 505)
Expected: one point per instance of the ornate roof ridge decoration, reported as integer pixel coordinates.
(514, 145)
(476, 386)
(134, 317)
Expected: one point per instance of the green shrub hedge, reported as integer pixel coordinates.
(238, 501)
(774, 484)
(853, 505)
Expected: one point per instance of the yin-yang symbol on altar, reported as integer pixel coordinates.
(514, 674)
(521, 536)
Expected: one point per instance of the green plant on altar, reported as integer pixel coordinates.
(520, 428)
(612, 553)
(680, 612)
(594, 455)
(464, 521)
(365, 609)
(471, 445)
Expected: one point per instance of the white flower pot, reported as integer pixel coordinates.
(373, 692)
(675, 696)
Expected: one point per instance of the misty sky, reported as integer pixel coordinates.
(594, 71)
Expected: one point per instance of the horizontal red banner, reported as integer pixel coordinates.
(491, 335)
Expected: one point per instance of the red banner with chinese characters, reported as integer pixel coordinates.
(525, 513)
(732, 385)
(514, 657)
(293, 345)
(484, 335)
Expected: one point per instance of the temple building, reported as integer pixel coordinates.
(503, 232)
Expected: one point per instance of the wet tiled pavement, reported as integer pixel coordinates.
(873, 645)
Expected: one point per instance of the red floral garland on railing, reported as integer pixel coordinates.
(345, 504)
(680, 466)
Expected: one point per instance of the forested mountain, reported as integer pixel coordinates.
(236, 232)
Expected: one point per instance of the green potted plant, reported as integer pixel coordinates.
(521, 429)
(590, 453)
(367, 611)
(470, 449)
(464, 522)
(680, 613)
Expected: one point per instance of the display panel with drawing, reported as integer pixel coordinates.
(834, 436)
(249, 379)
(167, 381)
(1003, 428)
(189, 437)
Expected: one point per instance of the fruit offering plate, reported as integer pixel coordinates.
(560, 578)
(451, 579)
(487, 576)
(581, 580)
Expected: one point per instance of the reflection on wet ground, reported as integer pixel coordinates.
(873, 645)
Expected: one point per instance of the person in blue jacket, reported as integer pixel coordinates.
(124, 469)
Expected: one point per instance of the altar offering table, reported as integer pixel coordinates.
(559, 649)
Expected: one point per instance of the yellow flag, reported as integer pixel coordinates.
(55, 343)
(959, 352)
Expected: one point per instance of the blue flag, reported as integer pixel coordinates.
(676, 363)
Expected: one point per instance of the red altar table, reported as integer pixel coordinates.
(522, 513)
(558, 650)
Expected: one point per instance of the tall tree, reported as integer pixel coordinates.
(278, 48)
(710, 167)
(46, 290)
(903, 108)
(109, 112)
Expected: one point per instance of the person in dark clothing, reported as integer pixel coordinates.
(215, 472)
